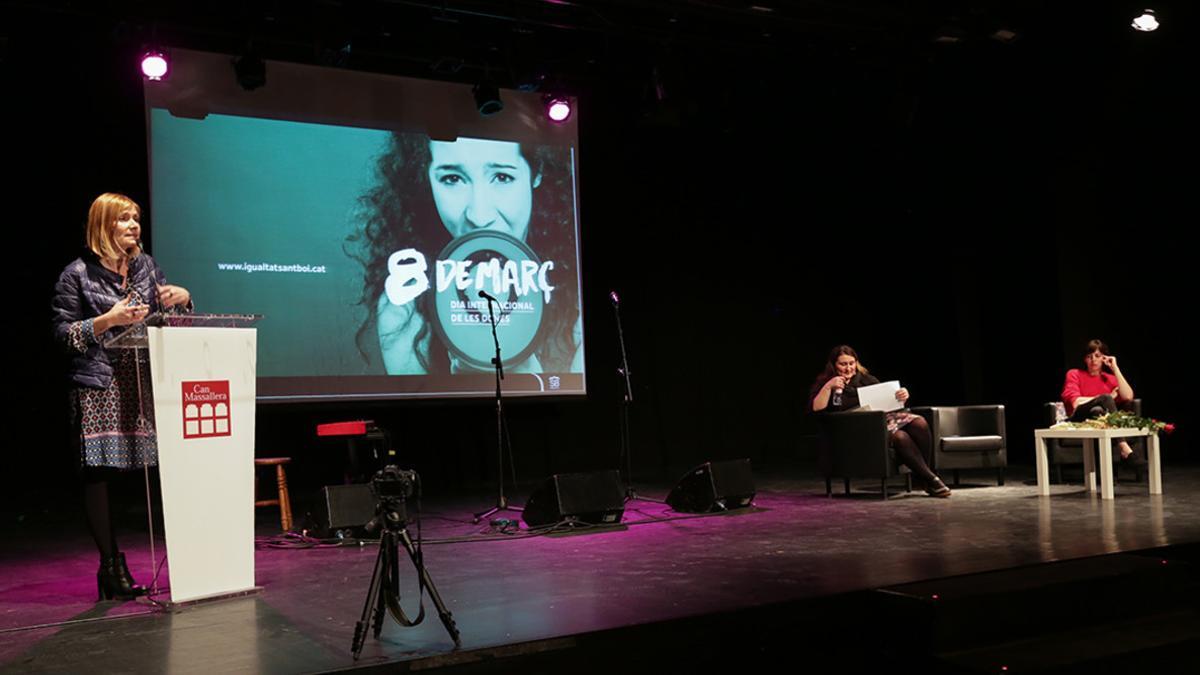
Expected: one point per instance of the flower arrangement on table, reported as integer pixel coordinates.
(1119, 420)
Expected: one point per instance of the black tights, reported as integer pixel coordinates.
(99, 513)
(1101, 405)
(1096, 407)
(913, 444)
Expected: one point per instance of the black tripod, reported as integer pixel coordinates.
(385, 579)
(626, 401)
(501, 500)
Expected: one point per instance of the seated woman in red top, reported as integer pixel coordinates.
(836, 389)
(1097, 389)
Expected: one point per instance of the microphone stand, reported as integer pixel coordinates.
(501, 500)
(154, 302)
(626, 401)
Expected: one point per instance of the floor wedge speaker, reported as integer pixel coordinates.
(595, 497)
(714, 486)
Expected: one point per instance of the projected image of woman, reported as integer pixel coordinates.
(836, 389)
(430, 192)
(111, 286)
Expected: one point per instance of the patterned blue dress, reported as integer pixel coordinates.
(116, 424)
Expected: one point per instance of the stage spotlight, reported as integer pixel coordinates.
(250, 69)
(155, 64)
(1003, 35)
(558, 108)
(1146, 22)
(487, 98)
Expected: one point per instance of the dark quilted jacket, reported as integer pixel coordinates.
(85, 290)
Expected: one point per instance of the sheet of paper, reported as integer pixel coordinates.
(880, 396)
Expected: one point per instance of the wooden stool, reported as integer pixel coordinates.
(283, 502)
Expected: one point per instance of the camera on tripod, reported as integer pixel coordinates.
(392, 488)
(392, 482)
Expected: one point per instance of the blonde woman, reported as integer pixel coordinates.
(112, 285)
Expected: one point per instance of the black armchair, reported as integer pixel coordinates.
(857, 444)
(1067, 451)
(967, 437)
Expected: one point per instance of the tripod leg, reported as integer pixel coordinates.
(387, 564)
(427, 581)
(373, 594)
(485, 514)
(394, 567)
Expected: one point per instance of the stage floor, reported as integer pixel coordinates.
(510, 592)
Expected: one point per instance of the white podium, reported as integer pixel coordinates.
(203, 372)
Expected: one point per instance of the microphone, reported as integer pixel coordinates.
(157, 300)
(616, 299)
(484, 294)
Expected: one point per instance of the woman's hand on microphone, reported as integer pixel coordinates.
(836, 382)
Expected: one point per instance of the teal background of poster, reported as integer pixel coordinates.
(248, 190)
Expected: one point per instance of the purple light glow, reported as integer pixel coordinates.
(154, 65)
(558, 110)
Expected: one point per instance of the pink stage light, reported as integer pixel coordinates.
(1146, 22)
(155, 65)
(558, 109)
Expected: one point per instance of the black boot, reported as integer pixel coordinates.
(113, 580)
(107, 581)
(127, 578)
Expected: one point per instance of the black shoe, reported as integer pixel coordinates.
(1134, 460)
(113, 580)
(936, 488)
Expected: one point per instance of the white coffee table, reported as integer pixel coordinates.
(1091, 439)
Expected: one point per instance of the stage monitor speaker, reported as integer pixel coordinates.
(596, 498)
(346, 506)
(714, 486)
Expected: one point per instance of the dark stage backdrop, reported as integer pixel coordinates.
(966, 218)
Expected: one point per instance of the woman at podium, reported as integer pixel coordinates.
(113, 284)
